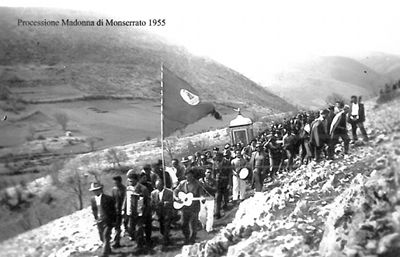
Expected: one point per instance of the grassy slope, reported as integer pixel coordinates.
(104, 60)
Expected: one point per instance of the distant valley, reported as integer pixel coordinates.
(308, 84)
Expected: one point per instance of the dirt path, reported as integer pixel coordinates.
(129, 247)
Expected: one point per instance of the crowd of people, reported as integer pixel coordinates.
(191, 193)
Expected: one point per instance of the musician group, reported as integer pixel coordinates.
(192, 192)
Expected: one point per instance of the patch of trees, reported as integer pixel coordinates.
(62, 119)
(389, 92)
(116, 157)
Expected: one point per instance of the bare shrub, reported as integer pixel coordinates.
(53, 171)
(334, 97)
(5, 92)
(62, 119)
(169, 145)
(116, 156)
(255, 116)
(14, 105)
(158, 143)
(196, 146)
(92, 164)
(44, 148)
(75, 183)
(91, 141)
(31, 133)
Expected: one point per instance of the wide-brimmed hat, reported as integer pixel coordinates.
(185, 159)
(95, 186)
(227, 152)
(117, 178)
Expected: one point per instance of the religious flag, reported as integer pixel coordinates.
(182, 104)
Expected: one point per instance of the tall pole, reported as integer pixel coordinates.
(162, 123)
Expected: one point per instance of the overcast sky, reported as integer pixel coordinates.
(259, 37)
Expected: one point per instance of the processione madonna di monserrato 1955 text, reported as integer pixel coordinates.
(93, 23)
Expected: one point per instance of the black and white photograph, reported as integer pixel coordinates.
(205, 128)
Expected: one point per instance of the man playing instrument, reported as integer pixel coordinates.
(189, 213)
(238, 184)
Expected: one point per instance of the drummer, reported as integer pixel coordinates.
(238, 177)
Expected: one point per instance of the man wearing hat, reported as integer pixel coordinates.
(214, 152)
(118, 193)
(320, 134)
(103, 208)
(186, 165)
(228, 152)
(204, 164)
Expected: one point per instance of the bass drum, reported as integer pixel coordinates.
(244, 173)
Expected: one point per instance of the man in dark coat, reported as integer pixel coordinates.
(103, 208)
(356, 118)
(338, 130)
(223, 174)
(320, 134)
(148, 218)
(161, 202)
(118, 193)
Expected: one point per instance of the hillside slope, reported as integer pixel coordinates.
(110, 61)
(345, 207)
(296, 216)
(310, 83)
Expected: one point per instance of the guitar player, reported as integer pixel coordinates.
(189, 213)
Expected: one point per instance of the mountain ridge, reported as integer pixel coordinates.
(311, 82)
(111, 60)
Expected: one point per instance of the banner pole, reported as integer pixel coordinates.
(162, 124)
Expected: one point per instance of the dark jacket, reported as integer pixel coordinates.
(163, 207)
(318, 134)
(338, 126)
(107, 211)
(118, 194)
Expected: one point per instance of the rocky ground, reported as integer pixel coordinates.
(346, 207)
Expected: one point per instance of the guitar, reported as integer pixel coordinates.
(187, 200)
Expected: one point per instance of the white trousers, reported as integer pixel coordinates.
(206, 214)
(238, 188)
